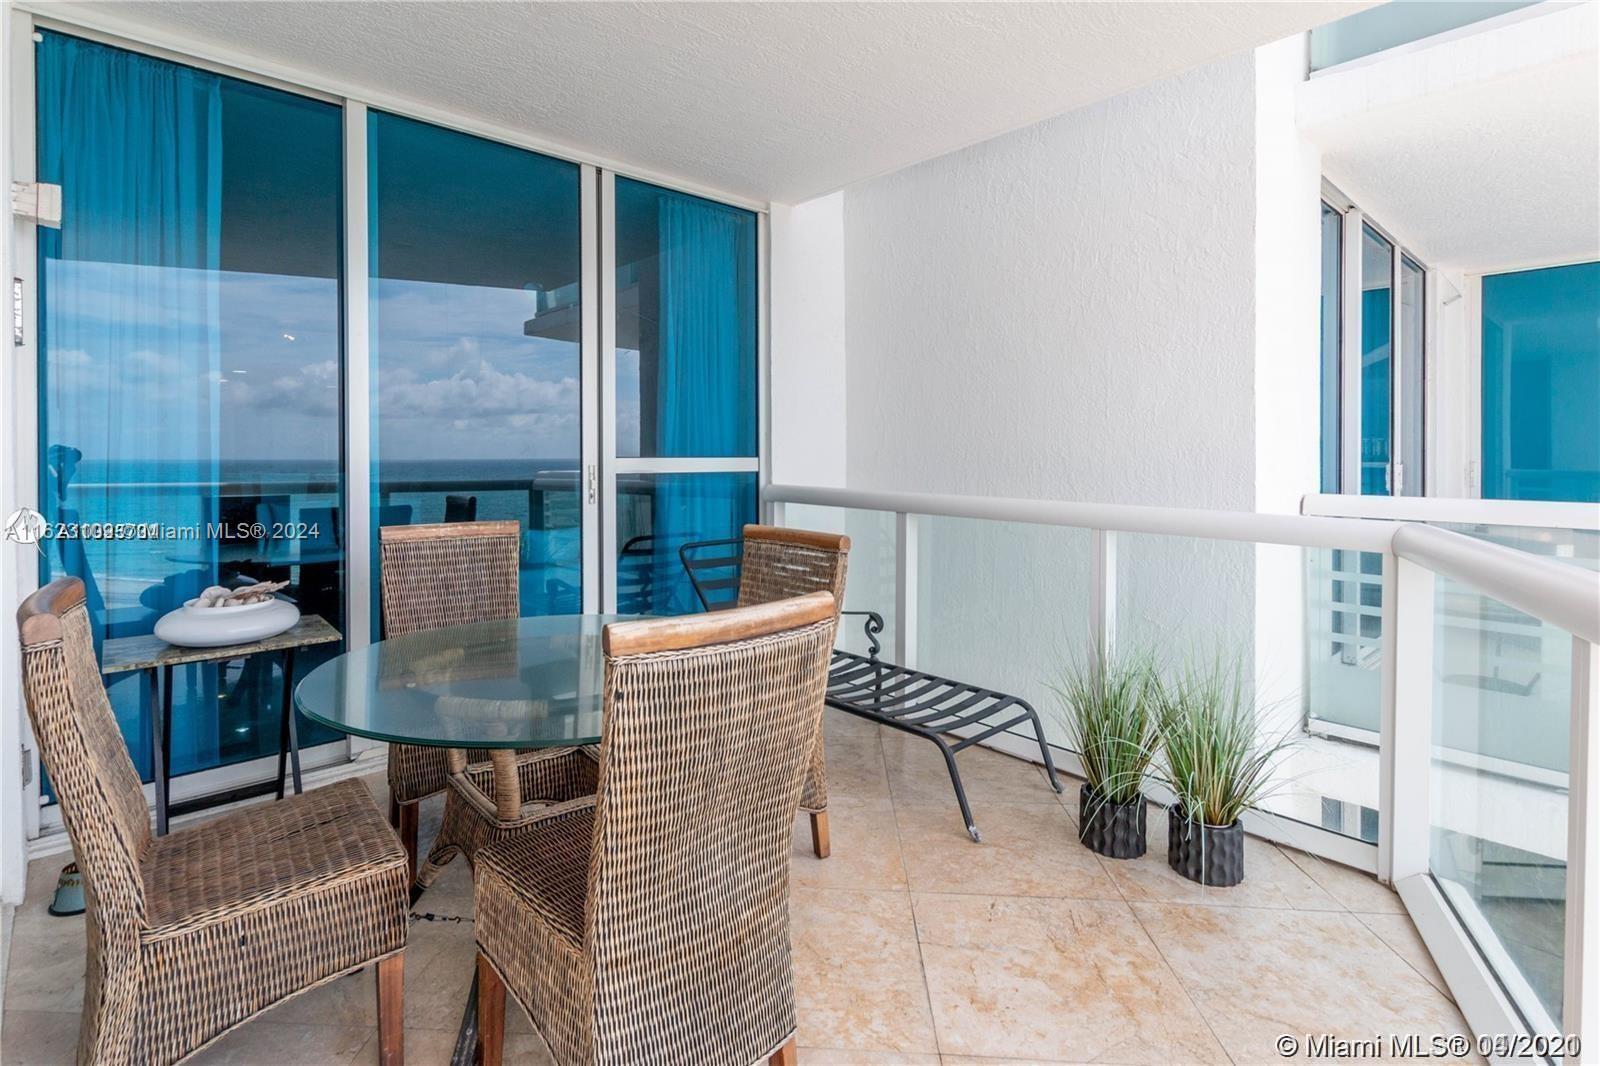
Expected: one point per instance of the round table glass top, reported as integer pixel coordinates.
(524, 683)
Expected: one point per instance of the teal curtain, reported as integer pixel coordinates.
(707, 289)
(130, 366)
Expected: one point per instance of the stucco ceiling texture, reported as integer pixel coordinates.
(773, 102)
(1499, 173)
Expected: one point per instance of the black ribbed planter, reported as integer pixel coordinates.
(1115, 830)
(1210, 854)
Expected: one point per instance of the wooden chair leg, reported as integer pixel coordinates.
(786, 1055)
(819, 834)
(491, 1014)
(391, 1010)
(406, 825)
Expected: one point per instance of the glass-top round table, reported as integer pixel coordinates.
(523, 683)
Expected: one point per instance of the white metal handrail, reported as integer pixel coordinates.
(1565, 596)
(1301, 530)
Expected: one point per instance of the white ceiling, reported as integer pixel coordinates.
(1483, 152)
(770, 102)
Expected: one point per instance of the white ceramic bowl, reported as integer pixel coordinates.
(216, 627)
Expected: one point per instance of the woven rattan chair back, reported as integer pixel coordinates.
(433, 576)
(780, 563)
(102, 804)
(704, 741)
(448, 574)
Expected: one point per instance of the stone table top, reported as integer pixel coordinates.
(147, 652)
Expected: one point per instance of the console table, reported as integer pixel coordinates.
(155, 659)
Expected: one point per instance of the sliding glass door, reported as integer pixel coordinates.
(475, 305)
(683, 336)
(542, 342)
(189, 364)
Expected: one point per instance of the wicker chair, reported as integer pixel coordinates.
(432, 576)
(780, 563)
(650, 923)
(451, 574)
(193, 933)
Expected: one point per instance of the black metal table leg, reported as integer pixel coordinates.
(158, 760)
(466, 1049)
(288, 734)
(163, 768)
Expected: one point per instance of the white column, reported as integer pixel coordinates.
(905, 589)
(1405, 727)
(1580, 1011)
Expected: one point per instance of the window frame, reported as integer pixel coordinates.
(1399, 477)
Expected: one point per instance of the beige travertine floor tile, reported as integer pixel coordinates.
(858, 978)
(39, 1038)
(1257, 974)
(1402, 937)
(1053, 980)
(994, 1060)
(1270, 879)
(839, 725)
(855, 770)
(917, 774)
(262, 1043)
(53, 978)
(1029, 850)
(1355, 890)
(865, 850)
(813, 1056)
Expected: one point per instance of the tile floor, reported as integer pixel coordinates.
(915, 945)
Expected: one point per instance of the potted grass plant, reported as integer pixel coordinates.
(1217, 762)
(1111, 714)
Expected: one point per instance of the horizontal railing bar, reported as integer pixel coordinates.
(1532, 514)
(1559, 594)
(1295, 530)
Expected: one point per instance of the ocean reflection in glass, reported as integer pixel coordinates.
(475, 345)
(189, 368)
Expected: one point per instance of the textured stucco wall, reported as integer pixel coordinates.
(1065, 312)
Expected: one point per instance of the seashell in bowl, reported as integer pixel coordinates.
(196, 625)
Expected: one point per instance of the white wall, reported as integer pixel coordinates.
(808, 342)
(1067, 312)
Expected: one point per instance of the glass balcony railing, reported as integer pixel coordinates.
(1398, 22)
(1427, 678)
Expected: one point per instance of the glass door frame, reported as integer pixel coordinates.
(1400, 478)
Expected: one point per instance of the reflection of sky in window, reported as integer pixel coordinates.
(457, 378)
(627, 401)
(276, 381)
